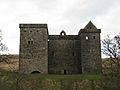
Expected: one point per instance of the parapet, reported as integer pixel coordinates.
(63, 37)
(32, 25)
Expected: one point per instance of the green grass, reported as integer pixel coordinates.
(66, 77)
(15, 75)
(10, 80)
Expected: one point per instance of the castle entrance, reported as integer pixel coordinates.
(65, 72)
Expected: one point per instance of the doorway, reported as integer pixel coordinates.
(65, 72)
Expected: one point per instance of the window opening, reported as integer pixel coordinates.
(30, 42)
(93, 37)
(62, 33)
(73, 54)
(86, 38)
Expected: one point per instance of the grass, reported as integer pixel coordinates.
(10, 80)
(15, 81)
(13, 75)
(66, 77)
(4, 72)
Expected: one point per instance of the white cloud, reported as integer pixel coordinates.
(109, 22)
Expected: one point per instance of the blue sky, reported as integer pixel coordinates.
(68, 15)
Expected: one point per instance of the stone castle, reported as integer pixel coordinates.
(59, 54)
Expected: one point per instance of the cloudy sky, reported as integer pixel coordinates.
(68, 15)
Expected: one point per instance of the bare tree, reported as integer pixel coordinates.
(111, 48)
(3, 50)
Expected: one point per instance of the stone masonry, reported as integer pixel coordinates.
(59, 54)
(33, 48)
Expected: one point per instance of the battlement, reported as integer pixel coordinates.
(32, 25)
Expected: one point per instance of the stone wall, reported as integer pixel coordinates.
(90, 49)
(64, 55)
(33, 48)
(59, 54)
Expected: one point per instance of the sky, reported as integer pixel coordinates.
(67, 15)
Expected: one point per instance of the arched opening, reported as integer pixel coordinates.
(62, 33)
(35, 72)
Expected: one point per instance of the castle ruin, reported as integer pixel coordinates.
(59, 54)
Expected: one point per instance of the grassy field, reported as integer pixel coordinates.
(10, 79)
(12, 66)
(11, 69)
(12, 75)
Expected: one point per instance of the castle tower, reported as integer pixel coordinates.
(90, 49)
(33, 48)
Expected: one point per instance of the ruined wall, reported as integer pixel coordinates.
(59, 54)
(64, 54)
(33, 48)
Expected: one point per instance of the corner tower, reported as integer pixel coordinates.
(33, 48)
(90, 49)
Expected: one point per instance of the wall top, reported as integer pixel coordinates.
(64, 37)
(32, 25)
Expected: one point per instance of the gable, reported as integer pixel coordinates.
(90, 28)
